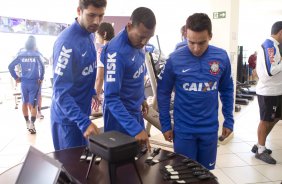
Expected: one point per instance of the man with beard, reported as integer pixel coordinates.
(74, 57)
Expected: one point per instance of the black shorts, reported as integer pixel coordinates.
(270, 107)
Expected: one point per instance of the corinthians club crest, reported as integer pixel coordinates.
(214, 67)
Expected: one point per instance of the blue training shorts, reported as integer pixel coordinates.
(67, 136)
(199, 147)
(29, 92)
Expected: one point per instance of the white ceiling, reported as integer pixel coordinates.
(65, 10)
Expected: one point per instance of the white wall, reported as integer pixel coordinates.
(256, 18)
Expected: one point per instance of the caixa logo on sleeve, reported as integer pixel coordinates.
(62, 61)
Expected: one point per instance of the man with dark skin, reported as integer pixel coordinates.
(124, 61)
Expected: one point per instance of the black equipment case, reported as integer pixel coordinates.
(113, 146)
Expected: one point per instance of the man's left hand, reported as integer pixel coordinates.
(225, 132)
(96, 102)
(92, 129)
(143, 138)
(145, 108)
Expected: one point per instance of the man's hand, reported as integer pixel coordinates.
(225, 132)
(92, 129)
(18, 80)
(143, 138)
(168, 135)
(96, 102)
(145, 108)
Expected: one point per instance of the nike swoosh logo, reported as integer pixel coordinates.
(133, 58)
(84, 54)
(211, 164)
(185, 70)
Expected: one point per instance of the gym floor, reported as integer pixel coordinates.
(236, 164)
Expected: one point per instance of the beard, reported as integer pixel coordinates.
(92, 28)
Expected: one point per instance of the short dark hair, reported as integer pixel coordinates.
(276, 27)
(83, 4)
(199, 22)
(106, 27)
(30, 44)
(145, 16)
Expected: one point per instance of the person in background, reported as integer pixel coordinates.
(74, 59)
(39, 99)
(124, 95)
(39, 114)
(32, 74)
(104, 34)
(183, 38)
(197, 72)
(252, 66)
(269, 90)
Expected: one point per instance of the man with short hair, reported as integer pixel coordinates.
(269, 90)
(124, 61)
(198, 72)
(183, 38)
(104, 34)
(74, 68)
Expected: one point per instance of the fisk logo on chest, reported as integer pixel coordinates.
(62, 61)
(111, 67)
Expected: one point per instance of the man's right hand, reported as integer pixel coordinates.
(168, 135)
(143, 138)
(92, 129)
